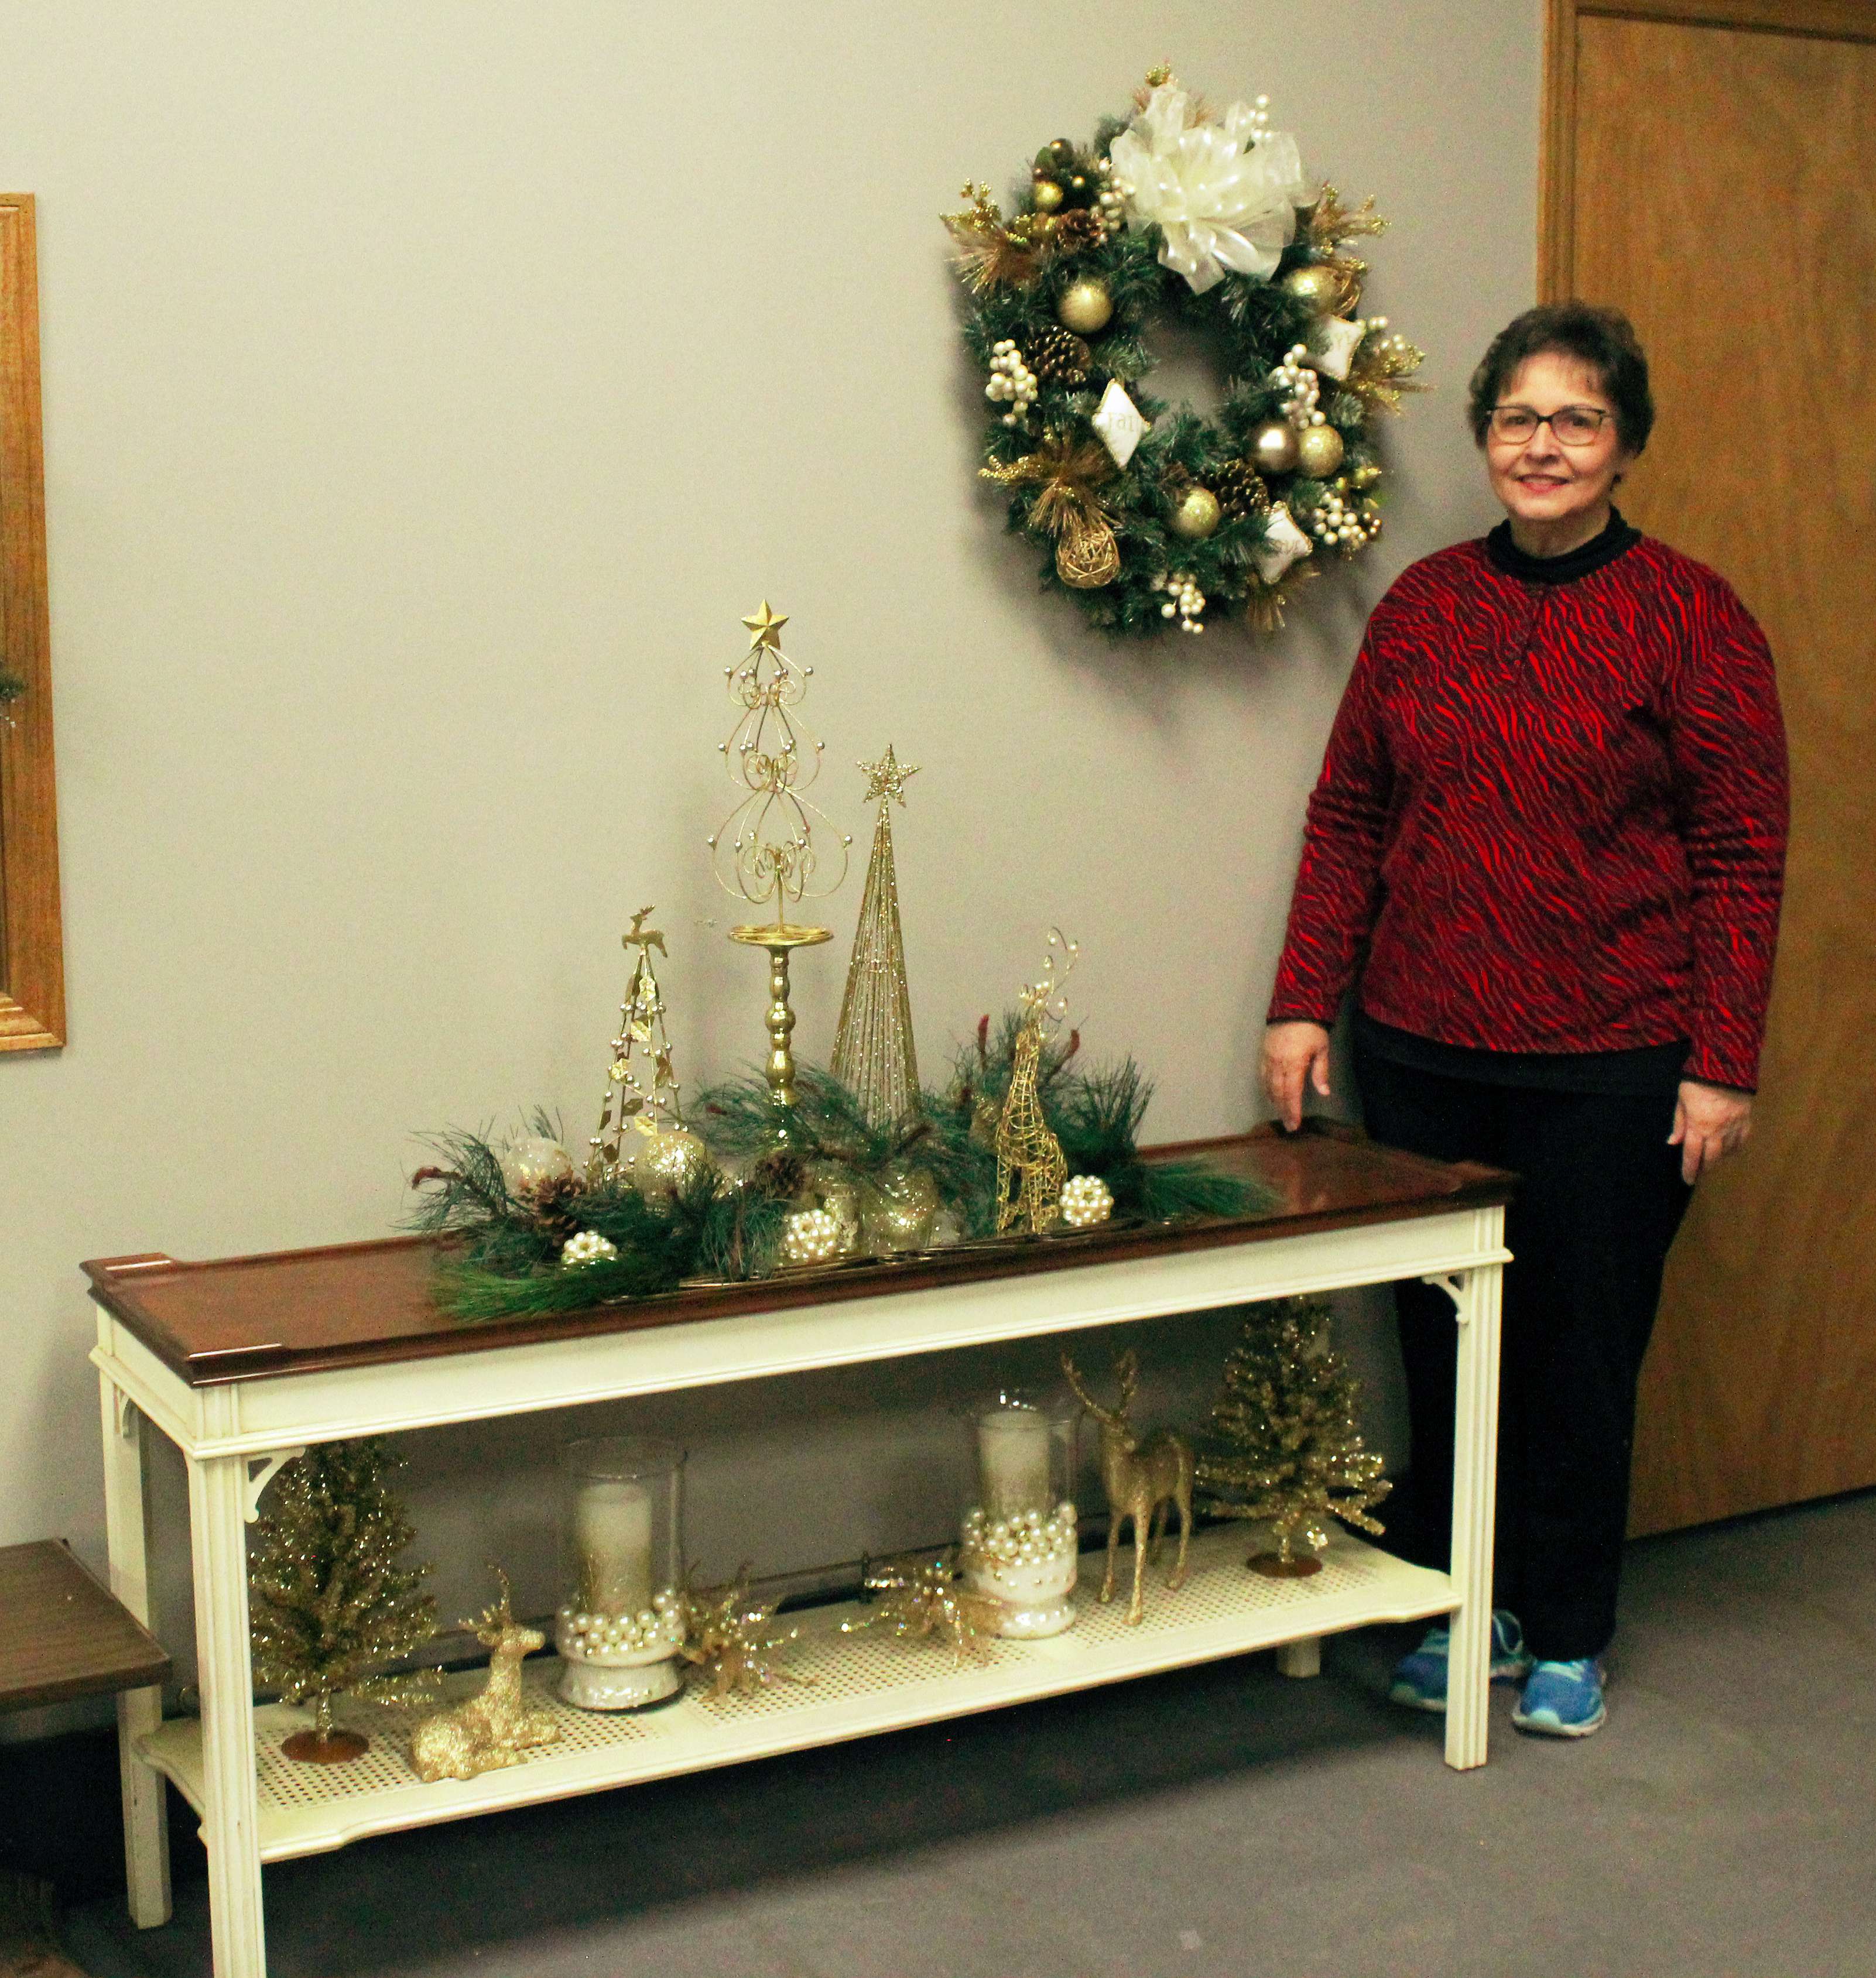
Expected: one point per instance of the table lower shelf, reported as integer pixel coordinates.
(861, 1684)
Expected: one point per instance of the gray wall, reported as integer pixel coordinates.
(429, 390)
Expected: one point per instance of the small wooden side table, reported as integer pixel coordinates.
(63, 1636)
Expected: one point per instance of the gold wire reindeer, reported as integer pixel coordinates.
(1140, 1478)
(493, 1729)
(1030, 1167)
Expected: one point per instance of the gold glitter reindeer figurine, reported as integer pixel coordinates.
(1030, 1167)
(495, 1728)
(1140, 1478)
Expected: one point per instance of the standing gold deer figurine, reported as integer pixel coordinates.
(1030, 1167)
(493, 1729)
(1141, 1480)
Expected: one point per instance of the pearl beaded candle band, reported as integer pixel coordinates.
(1154, 518)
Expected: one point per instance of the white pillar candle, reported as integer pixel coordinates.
(1013, 1449)
(612, 1540)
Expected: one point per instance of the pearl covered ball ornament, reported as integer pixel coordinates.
(1274, 447)
(1086, 1199)
(811, 1236)
(1197, 515)
(1085, 306)
(588, 1247)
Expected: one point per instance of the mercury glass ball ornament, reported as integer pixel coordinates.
(1320, 288)
(1085, 306)
(900, 1215)
(1197, 514)
(661, 1163)
(1273, 447)
(1318, 451)
(531, 1162)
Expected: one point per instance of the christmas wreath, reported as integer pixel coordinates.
(1152, 517)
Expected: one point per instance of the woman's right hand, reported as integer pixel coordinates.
(1295, 1054)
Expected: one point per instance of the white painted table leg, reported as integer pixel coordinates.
(1301, 1659)
(218, 1499)
(1475, 1449)
(146, 1823)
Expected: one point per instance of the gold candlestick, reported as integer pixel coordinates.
(764, 849)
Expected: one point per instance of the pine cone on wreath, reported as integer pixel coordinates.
(1240, 489)
(1060, 357)
(1081, 226)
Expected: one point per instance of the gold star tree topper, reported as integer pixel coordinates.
(765, 629)
(887, 778)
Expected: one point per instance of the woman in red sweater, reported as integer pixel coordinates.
(1546, 850)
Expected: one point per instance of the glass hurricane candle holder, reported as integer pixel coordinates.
(619, 1636)
(1019, 1542)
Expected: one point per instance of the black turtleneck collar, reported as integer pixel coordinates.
(1618, 536)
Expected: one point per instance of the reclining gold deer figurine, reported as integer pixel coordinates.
(494, 1728)
(1141, 1480)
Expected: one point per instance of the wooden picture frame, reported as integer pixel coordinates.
(32, 965)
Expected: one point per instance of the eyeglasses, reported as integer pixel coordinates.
(1573, 425)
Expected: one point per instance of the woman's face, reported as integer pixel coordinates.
(1541, 481)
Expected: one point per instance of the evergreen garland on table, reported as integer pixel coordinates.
(1149, 515)
(1285, 1447)
(508, 1255)
(329, 1603)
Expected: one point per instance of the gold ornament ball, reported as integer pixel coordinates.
(900, 1215)
(1273, 448)
(1319, 288)
(1048, 195)
(1085, 306)
(662, 1162)
(1318, 451)
(1197, 514)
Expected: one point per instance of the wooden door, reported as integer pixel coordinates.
(1709, 171)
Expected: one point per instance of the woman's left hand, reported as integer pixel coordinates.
(1710, 1122)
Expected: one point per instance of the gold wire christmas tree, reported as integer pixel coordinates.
(641, 1092)
(764, 850)
(1286, 1448)
(874, 1053)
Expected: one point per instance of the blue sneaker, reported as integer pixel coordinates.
(1420, 1679)
(1563, 1700)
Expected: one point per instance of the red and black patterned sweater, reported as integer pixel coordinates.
(1555, 814)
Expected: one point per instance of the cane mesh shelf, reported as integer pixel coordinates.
(862, 1683)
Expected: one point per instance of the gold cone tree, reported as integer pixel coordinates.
(874, 1053)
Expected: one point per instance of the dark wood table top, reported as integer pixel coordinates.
(304, 1311)
(62, 1635)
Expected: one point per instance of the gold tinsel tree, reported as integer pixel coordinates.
(873, 1049)
(1285, 1447)
(330, 1604)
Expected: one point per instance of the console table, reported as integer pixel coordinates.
(244, 1363)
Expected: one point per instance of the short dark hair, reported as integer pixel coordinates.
(1603, 340)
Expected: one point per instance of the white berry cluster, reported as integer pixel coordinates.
(1011, 381)
(1297, 381)
(1259, 125)
(589, 1247)
(1028, 1540)
(1110, 202)
(663, 1624)
(1337, 523)
(1086, 1200)
(811, 1236)
(1184, 601)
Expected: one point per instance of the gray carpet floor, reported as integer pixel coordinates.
(1218, 1821)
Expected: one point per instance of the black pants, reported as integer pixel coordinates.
(1601, 1199)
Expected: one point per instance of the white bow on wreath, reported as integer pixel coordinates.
(1224, 193)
